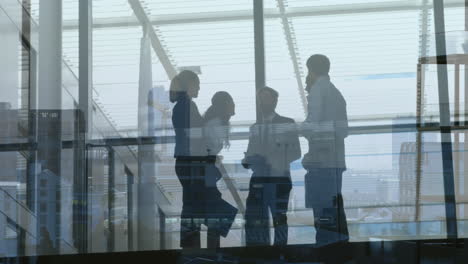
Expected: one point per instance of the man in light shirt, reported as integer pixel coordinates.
(325, 127)
(273, 145)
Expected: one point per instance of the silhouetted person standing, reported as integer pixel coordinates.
(219, 214)
(190, 156)
(273, 145)
(326, 127)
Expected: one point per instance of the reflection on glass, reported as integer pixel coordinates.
(184, 152)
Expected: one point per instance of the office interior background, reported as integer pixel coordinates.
(86, 139)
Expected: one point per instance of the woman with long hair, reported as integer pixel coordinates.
(216, 135)
(189, 155)
(217, 122)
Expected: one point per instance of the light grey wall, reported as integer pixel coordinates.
(9, 54)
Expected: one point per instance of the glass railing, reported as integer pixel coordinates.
(386, 196)
(392, 189)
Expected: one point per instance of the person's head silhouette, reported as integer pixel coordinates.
(268, 100)
(318, 65)
(222, 106)
(185, 85)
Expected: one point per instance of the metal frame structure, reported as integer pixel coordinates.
(465, 77)
(155, 41)
(290, 39)
(451, 165)
(111, 199)
(445, 124)
(420, 97)
(259, 15)
(259, 43)
(83, 126)
(207, 17)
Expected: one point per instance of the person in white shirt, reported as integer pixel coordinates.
(273, 145)
(218, 212)
(217, 125)
(326, 128)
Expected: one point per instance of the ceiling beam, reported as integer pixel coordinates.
(158, 48)
(225, 16)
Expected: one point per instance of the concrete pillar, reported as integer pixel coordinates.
(50, 54)
(9, 52)
(9, 85)
(49, 126)
(148, 235)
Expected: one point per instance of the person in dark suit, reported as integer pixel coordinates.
(273, 145)
(326, 128)
(190, 156)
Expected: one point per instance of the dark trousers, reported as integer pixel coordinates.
(267, 194)
(195, 194)
(212, 198)
(323, 195)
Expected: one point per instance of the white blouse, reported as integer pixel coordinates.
(215, 135)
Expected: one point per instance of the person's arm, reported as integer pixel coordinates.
(288, 138)
(195, 131)
(294, 146)
(314, 104)
(251, 156)
(180, 122)
(213, 136)
(245, 161)
(342, 129)
(314, 113)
